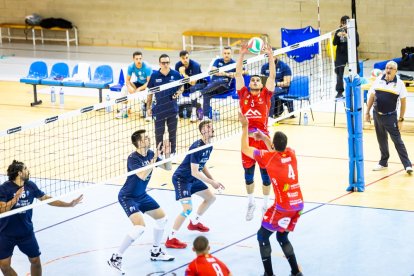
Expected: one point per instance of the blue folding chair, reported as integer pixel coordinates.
(77, 82)
(59, 71)
(102, 77)
(37, 72)
(121, 82)
(298, 91)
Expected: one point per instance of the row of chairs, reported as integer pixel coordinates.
(59, 76)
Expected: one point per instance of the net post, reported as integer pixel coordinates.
(354, 112)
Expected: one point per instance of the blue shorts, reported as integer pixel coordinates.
(142, 204)
(28, 245)
(185, 188)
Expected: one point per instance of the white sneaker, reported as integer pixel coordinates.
(193, 118)
(379, 168)
(409, 170)
(148, 119)
(173, 157)
(161, 256)
(116, 263)
(250, 211)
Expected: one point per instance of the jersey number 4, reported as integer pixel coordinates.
(291, 173)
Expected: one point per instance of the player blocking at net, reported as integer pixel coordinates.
(282, 216)
(135, 201)
(255, 105)
(190, 178)
(17, 229)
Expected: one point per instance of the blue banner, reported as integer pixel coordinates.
(293, 36)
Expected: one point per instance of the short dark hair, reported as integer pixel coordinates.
(344, 18)
(137, 136)
(136, 53)
(227, 48)
(203, 123)
(255, 76)
(163, 56)
(280, 141)
(14, 168)
(200, 244)
(183, 53)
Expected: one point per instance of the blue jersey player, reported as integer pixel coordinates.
(135, 201)
(190, 178)
(17, 229)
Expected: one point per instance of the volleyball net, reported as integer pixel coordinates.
(87, 147)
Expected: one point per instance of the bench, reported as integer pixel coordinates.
(220, 35)
(34, 36)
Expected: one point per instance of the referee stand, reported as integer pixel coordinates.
(354, 111)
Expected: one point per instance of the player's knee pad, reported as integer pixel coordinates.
(265, 177)
(282, 237)
(263, 235)
(187, 211)
(160, 223)
(249, 175)
(136, 232)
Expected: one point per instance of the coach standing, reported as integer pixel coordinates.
(384, 95)
(165, 110)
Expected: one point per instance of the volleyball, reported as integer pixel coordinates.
(376, 73)
(255, 45)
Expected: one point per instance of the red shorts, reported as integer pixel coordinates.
(276, 220)
(258, 144)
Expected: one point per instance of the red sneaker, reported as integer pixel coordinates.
(175, 243)
(198, 227)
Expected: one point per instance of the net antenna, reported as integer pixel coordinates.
(82, 149)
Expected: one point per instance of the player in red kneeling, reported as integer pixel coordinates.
(282, 216)
(255, 105)
(205, 264)
(190, 178)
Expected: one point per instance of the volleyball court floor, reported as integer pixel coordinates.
(339, 233)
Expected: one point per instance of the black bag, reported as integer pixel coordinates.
(33, 19)
(407, 59)
(56, 22)
(406, 77)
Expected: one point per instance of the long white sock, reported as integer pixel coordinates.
(195, 218)
(135, 233)
(172, 234)
(265, 200)
(250, 198)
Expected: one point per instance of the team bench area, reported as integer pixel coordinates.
(220, 35)
(20, 31)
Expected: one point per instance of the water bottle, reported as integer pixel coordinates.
(184, 113)
(305, 119)
(52, 95)
(144, 109)
(108, 108)
(200, 114)
(210, 113)
(61, 97)
(217, 115)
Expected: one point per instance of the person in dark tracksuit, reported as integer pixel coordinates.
(384, 95)
(341, 42)
(165, 109)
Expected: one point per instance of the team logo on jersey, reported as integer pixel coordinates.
(140, 73)
(132, 209)
(286, 187)
(246, 102)
(284, 222)
(253, 114)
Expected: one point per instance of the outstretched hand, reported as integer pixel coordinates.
(258, 135)
(244, 48)
(76, 201)
(267, 48)
(243, 120)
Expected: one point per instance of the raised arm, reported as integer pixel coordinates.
(270, 82)
(59, 203)
(245, 148)
(239, 66)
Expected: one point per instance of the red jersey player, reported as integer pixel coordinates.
(255, 104)
(205, 264)
(283, 215)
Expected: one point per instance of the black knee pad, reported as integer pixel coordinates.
(265, 177)
(282, 237)
(249, 175)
